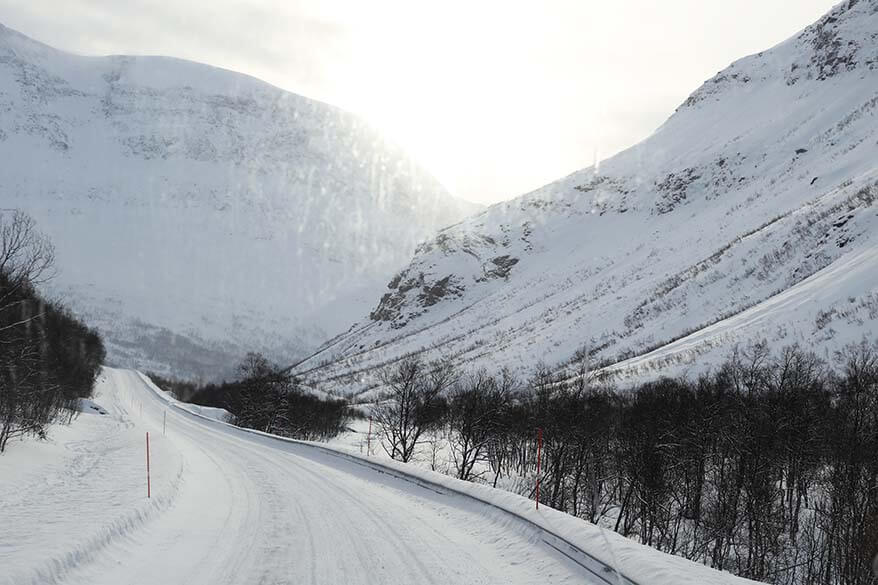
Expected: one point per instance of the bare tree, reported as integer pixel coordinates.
(412, 405)
(26, 255)
(474, 417)
(26, 260)
(263, 393)
(48, 359)
(503, 440)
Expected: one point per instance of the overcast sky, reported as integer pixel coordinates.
(494, 97)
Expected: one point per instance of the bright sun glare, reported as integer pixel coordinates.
(499, 97)
(470, 83)
(493, 97)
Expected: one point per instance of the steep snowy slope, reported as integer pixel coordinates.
(198, 212)
(763, 183)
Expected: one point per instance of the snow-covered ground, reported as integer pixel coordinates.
(832, 293)
(232, 506)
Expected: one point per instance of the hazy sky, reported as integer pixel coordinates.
(494, 97)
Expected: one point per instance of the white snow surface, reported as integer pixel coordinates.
(750, 214)
(89, 406)
(232, 506)
(199, 213)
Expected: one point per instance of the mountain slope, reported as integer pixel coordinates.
(199, 212)
(765, 177)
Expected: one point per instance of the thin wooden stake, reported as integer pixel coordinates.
(539, 461)
(148, 486)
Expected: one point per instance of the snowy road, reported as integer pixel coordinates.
(232, 507)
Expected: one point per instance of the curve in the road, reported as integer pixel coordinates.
(232, 507)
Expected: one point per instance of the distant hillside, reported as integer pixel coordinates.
(199, 212)
(751, 213)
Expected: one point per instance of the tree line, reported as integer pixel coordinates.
(766, 467)
(267, 398)
(48, 358)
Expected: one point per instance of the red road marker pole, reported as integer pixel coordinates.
(539, 461)
(148, 487)
(369, 439)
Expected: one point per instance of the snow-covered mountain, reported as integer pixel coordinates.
(750, 214)
(197, 212)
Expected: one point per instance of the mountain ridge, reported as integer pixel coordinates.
(763, 178)
(232, 215)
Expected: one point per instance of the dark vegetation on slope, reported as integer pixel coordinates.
(267, 398)
(766, 468)
(48, 359)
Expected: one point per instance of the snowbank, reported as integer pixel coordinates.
(210, 412)
(88, 406)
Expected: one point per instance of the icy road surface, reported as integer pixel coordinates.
(232, 507)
